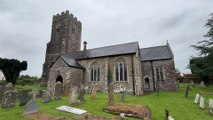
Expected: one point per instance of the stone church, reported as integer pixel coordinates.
(127, 65)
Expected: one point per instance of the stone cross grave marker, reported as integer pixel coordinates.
(73, 95)
(24, 97)
(58, 90)
(81, 93)
(31, 107)
(9, 96)
(201, 102)
(46, 96)
(96, 87)
(197, 98)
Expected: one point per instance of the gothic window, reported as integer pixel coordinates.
(159, 73)
(95, 73)
(121, 71)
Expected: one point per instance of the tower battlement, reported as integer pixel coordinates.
(66, 15)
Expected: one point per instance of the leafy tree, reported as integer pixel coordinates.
(203, 64)
(11, 69)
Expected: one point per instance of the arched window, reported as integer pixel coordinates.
(95, 73)
(121, 71)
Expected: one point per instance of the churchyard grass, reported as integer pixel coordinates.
(179, 107)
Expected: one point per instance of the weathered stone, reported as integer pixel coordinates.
(46, 96)
(202, 84)
(94, 90)
(123, 96)
(58, 90)
(1, 92)
(197, 98)
(24, 97)
(211, 106)
(201, 102)
(73, 95)
(111, 101)
(187, 91)
(9, 96)
(81, 93)
(71, 110)
(31, 107)
(66, 88)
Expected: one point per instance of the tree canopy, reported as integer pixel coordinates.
(203, 64)
(11, 69)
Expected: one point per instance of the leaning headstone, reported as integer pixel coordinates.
(73, 96)
(111, 101)
(9, 96)
(94, 90)
(197, 98)
(81, 93)
(31, 107)
(202, 84)
(201, 102)
(24, 97)
(46, 96)
(58, 90)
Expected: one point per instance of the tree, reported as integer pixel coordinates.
(11, 69)
(203, 64)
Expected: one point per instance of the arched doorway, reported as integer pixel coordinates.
(147, 83)
(59, 78)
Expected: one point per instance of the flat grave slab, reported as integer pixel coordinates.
(71, 110)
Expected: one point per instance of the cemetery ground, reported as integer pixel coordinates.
(179, 107)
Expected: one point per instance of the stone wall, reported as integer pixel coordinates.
(169, 83)
(108, 63)
(70, 75)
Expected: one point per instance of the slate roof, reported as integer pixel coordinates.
(156, 53)
(121, 49)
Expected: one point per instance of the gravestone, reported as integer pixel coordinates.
(66, 88)
(81, 93)
(111, 101)
(46, 96)
(94, 90)
(192, 83)
(211, 106)
(1, 92)
(24, 97)
(71, 110)
(210, 103)
(201, 102)
(197, 96)
(9, 96)
(187, 91)
(123, 97)
(73, 95)
(202, 84)
(31, 107)
(58, 90)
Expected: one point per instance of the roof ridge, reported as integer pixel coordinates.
(154, 47)
(113, 45)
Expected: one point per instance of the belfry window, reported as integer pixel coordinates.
(121, 71)
(95, 73)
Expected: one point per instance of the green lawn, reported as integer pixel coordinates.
(180, 108)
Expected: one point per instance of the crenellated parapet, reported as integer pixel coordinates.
(66, 16)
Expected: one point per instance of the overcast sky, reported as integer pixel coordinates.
(25, 26)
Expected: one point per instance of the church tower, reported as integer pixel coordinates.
(65, 38)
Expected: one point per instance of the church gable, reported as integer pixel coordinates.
(59, 63)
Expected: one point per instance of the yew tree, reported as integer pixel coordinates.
(11, 69)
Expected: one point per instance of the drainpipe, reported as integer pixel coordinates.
(133, 76)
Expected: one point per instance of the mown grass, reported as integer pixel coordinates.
(180, 108)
